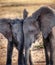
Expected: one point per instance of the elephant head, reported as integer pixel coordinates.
(42, 20)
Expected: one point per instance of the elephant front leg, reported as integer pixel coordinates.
(30, 58)
(26, 56)
(21, 57)
(51, 54)
(46, 52)
(9, 53)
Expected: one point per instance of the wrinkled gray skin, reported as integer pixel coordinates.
(13, 31)
(43, 20)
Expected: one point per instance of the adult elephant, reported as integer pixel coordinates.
(13, 31)
(43, 20)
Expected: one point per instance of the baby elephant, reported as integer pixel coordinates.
(43, 20)
(13, 31)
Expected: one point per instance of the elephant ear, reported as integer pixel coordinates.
(25, 14)
(46, 20)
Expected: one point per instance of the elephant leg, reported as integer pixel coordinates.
(51, 50)
(26, 56)
(51, 58)
(30, 58)
(46, 53)
(9, 53)
(21, 56)
(49, 53)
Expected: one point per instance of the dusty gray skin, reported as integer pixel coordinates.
(16, 39)
(43, 20)
(13, 31)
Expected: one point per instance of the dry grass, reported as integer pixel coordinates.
(17, 11)
(14, 8)
(29, 1)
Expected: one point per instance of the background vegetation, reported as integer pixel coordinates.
(14, 8)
